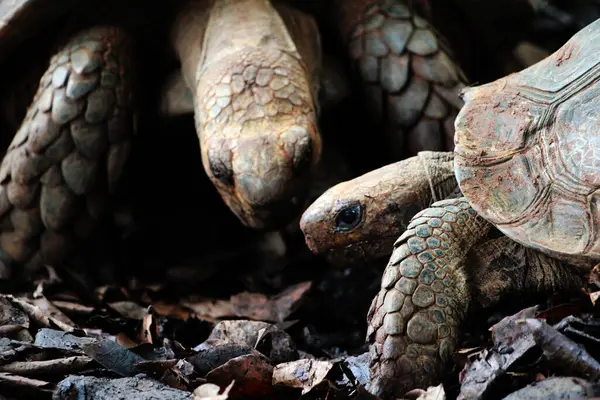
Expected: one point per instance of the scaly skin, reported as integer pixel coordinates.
(69, 152)
(439, 267)
(255, 91)
(382, 210)
(424, 296)
(410, 80)
(436, 271)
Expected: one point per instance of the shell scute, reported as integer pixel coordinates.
(507, 192)
(528, 150)
(577, 132)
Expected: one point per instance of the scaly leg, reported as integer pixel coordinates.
(424, 296)
(438, 267)
(411, 82)
(68, 153)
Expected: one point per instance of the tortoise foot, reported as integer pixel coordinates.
(69, 151)
(413, 320)
(410, 79)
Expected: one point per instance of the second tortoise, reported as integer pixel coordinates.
(525, 161)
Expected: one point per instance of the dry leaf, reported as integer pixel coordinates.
(302, 374)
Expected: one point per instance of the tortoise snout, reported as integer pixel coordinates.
(270, 202)
(271, 177)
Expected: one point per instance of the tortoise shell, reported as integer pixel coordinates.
(528, 150)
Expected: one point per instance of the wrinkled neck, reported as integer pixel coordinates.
(187, 36)
(208, 32)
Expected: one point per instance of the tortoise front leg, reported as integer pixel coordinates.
(413, 321)
(411, 82)
(436, 270)
(68, 154)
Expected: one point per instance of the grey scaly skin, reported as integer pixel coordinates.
(437, 270)
(424, 295)
(77, 130)
(410, 79)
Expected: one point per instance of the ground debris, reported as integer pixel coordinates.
(113, 357)
(511, 341)
(12, 318)
(255, 306)
(562, 351)
(23, 387)
(268, 339)
(302, 374)
(526, 342)
(60, 366)
(253, 375)
(133, 388)
(556, 388)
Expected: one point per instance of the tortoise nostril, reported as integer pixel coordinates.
(219, 162)
(299, 142)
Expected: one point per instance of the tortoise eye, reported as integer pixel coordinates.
(348, 218)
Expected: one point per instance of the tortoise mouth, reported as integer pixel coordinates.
(272, 215)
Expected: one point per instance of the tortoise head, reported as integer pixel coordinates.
(254, 76)
(359, 220)
(264, 178)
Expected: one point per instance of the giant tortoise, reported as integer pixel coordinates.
(252, 69)
(525, 161)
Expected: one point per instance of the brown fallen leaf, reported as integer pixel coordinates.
(210, 391)
(594, 297)
(255, 306)
(556, 388)
(270, 340)
(60, 366)
(594, 277)
(39, 315)
(302, 374)
(113, 357)
(15, 385)
(110, 293)
(129, 309)
(12, 318)
(175, 311)
(156, 368)
(561, 350)
(149, 329)
(214, 353)
(55, 314)
(252, 373)
(511, 341)
(73, 308)
(125, 341)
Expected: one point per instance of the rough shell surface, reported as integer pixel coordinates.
(528, 150)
